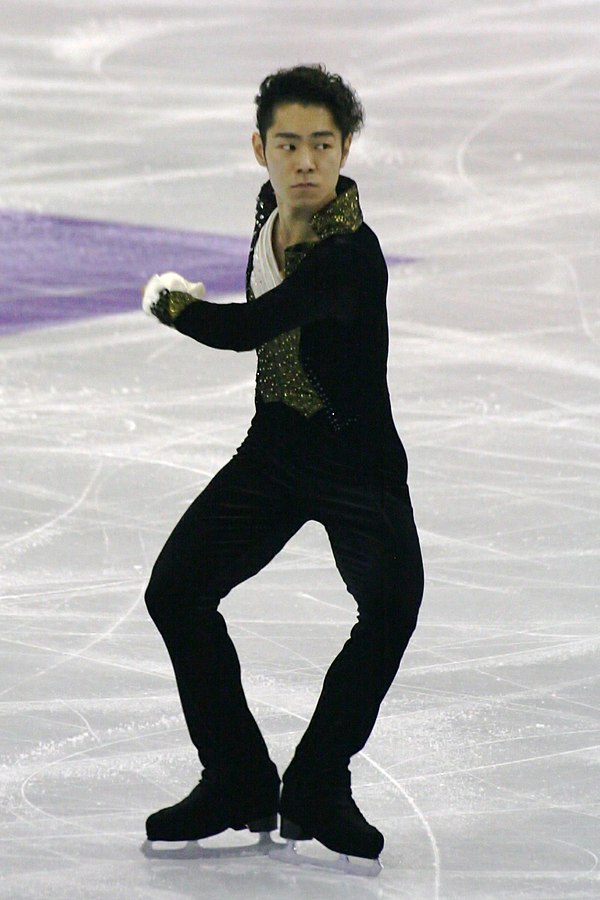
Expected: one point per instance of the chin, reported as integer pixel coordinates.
(310, 199)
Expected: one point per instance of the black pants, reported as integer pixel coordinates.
(240, 521)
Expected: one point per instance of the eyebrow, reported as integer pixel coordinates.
(290, 134)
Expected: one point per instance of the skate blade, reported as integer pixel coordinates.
(367, 868)
(194, 850)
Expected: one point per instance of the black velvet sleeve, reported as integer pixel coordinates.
(325, 285)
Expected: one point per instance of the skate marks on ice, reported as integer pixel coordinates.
(446, 678)
(486, 114)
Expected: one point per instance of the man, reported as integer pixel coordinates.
(322, 446)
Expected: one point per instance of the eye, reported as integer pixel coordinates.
(323, 145)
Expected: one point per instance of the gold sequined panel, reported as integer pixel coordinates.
(280, 375)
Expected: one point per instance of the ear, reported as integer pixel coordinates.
(259, 150)
(345, 150)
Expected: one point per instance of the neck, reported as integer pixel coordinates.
(293, 225)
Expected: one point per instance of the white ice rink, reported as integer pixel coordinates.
(480, 160)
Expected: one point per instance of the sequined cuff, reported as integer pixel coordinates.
(178, 302)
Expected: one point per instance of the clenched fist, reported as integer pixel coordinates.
(166, 295)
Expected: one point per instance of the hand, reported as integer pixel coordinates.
(156, 295)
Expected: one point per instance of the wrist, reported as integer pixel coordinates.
(177, 301)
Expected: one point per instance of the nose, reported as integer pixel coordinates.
(305, 159)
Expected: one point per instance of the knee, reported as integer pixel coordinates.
(175, 596)
(411, 601)
(400, 624)
(156, 597)
(404, 611)
(390, 622)
(164, 590)
(406, 598)
(401, 596)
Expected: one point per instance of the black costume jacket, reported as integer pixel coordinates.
(334, 293)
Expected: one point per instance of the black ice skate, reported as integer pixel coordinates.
(213, 806)
(331, 816)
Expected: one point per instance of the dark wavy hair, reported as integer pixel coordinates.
(310, 85)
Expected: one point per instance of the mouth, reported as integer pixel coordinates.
(305, 184)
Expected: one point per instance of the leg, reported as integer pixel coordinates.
(238, 523)
(376, 548)
(230, 532)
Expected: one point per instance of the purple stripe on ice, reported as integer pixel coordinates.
(55, 269)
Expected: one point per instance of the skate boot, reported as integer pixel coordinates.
(327, 812)
(217, 803)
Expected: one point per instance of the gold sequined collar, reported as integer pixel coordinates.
(341, 216)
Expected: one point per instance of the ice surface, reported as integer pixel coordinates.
(480, 161)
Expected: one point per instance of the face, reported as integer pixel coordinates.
(303, 154)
